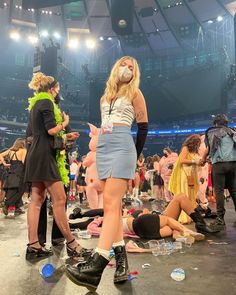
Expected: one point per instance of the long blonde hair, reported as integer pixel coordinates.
(18, 144)
(41, 83)
(128, 90)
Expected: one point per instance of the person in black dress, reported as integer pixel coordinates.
(41, 166)
(13, 184)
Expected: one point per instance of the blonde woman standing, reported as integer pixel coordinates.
(116, 162)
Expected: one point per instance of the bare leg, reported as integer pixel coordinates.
(179, 202)
(92, 196)
(38, 197)
(58, 196)
(120, 234)
(113, 193)
(166, 231)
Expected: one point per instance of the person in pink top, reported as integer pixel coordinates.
(166, 165)
(203, 177)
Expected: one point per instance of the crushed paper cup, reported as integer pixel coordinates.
(146, 265)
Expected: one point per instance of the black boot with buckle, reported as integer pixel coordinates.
(89, 273)
(200, 224)
(122, 267)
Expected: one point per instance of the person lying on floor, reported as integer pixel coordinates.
(155, 226)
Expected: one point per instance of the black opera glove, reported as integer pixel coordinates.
(141, 137)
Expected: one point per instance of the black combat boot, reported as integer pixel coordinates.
(201, 225)
(77, 213)
(89, 273)
(122, 267)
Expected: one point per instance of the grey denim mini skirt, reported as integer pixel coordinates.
(116, 154)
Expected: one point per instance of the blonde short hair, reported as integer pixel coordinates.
(41, 83)
(128, 90)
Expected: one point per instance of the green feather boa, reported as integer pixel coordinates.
(60, 155)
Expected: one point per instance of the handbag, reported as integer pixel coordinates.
(12, 180)
(190, 180)
(58, 143)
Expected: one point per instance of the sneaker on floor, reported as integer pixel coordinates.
(19, 211)
(11, 211)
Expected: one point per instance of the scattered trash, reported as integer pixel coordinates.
(146, 265)
(112, 253)
(211, 242)
(47, 270)
(130, 277)
(111, 265)
(212, 253)
(178, 274)
(84, 234)
(194, 268)
(19, 222)
(133, 273)
(16, 254)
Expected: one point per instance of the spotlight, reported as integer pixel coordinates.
(109, 38)
(5, 4)
(44, 33)
(14, 35)
(90, 43)
(57, 35)
(219, 18)
(73, 43)
(101, 38)
(210, 21)
(33, 39)
(50, 12)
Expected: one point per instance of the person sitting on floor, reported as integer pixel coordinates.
(146, 225)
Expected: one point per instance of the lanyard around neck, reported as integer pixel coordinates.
(112, 104)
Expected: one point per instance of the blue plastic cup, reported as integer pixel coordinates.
(47, 270)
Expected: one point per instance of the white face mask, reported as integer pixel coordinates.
(125, 74)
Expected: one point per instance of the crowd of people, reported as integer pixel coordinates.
(40, 165)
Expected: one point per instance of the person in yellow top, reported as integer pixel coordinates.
(184, 178)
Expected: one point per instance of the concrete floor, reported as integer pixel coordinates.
(210, 269)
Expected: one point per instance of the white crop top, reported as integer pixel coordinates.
(122, 111)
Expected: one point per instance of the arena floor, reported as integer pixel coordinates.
(210, 269)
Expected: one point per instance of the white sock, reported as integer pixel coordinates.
(104, 253)
(121, 243)
(136, 193)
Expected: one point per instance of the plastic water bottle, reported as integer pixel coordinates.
(47, 270)
(84, 234)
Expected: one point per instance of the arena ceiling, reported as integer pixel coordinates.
(170, 23)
